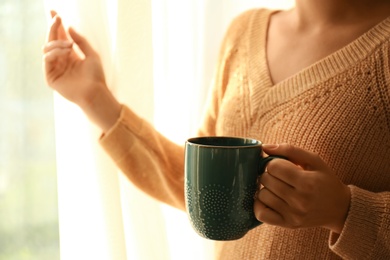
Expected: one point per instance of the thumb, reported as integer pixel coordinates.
(306, 159)
(82, 43)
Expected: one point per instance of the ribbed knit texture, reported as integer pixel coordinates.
(338, 107)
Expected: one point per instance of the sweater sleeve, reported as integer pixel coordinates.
(366, 233)
(148, 159)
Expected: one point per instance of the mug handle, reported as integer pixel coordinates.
(265, 160)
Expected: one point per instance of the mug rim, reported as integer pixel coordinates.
(202, 142)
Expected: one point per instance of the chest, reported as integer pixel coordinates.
(290, 50)
(345, 119)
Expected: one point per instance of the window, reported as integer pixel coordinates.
(28, 187)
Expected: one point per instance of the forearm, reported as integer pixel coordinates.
(102, 108)
(152, 162)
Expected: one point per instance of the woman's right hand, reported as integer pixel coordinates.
(78, 75)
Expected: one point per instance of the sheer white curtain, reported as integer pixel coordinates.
(90, 213)
(159, 58)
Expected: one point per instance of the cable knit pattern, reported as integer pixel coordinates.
(338, 107)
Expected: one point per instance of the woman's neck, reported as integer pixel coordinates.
(317, 14)
(314, 29)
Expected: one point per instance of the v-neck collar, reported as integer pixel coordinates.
(321, 70)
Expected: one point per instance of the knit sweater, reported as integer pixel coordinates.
(338, 107)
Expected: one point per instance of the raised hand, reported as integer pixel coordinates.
(78, 74)
(301, 191)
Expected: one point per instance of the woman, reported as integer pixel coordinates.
(314, 83)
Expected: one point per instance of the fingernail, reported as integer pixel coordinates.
(270, 146)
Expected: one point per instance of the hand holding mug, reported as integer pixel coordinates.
(301, 192)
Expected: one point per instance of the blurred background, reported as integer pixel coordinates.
(28, 180)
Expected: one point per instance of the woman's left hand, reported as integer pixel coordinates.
(300, 192)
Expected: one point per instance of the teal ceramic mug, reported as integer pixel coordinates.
(220, 183)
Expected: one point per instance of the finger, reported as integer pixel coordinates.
(280, 188)
(59, 31)
(53, 31)
(285, 171)
(271, 200)
(53, 13)
(266, 215)
(55, 54)
(82, 43)
(60, 44)
(306, 159)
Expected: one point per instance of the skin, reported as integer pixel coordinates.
(77, 74)
(299, 193)
(316, 29)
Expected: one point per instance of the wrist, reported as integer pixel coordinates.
(343, 210)
(102, 108)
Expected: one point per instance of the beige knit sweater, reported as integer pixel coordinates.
(338, 107)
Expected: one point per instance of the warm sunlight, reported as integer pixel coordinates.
(28, 179)
(183, 71)
(75, 171)
(97, 209)
(290, 107)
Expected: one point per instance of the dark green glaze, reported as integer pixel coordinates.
(220, 183)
